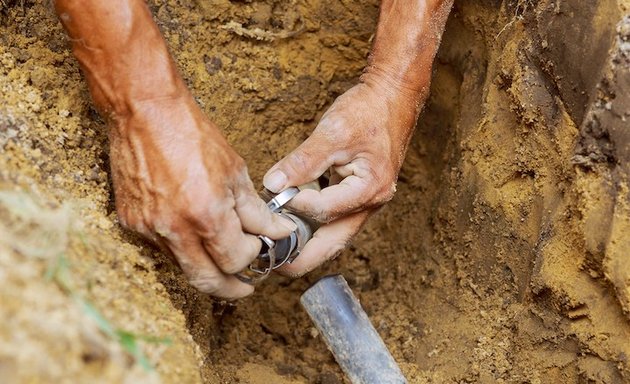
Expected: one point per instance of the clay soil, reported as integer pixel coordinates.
(502, 258)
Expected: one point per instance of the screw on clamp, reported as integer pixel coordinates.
(274, 254)
(281, 199)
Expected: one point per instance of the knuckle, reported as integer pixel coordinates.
(205, 214)
(237, 169)
(225, 258)
(191, 203)
(385, 194)
(211, 240)
(385, 186)
(247, 197)
(136, 223)
(203, 203)
(334, 128)
(201, 214)
(205, 281)
(323, 216)
(298, 161)
(337, 247)
(167, 229)
(226, 264)
(240, 166)
(231, 269)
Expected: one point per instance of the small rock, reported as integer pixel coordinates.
(213, 64)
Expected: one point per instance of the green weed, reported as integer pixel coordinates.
(44, 233)
(59, 272)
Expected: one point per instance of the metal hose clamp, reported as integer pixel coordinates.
(274, 254)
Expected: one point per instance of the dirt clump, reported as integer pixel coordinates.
(502, 257)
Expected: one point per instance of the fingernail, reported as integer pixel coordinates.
(275, 181)
(288, 224)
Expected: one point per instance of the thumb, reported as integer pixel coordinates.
(305, 164)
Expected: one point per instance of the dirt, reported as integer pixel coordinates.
(502, 258)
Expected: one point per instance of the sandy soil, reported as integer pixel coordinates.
(502, 258)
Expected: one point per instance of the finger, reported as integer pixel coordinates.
(257, 218)
(335, 177)
(326, 243)
(335, 201)
(306, 163)
(354, 186)
(231, 249)
(203, 274)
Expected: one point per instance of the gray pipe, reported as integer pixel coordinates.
(349, 334)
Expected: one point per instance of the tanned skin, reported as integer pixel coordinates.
(362, 138)
(179, 183)
(176, 179)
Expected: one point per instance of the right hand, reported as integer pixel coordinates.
(361, 140)
(179, 183)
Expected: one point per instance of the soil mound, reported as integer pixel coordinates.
(502, 258)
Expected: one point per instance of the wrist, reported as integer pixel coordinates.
(118, 87)
(407, 38)
(394, 84)
(171, 117)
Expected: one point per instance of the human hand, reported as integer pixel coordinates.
(362, 140)
(364, 135)
(179, 183)
(176, 179)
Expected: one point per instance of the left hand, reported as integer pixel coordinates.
(362, 139)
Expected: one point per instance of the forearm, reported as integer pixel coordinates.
(406, 41)
(121, 51)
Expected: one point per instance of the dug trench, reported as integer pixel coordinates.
(502, 257)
